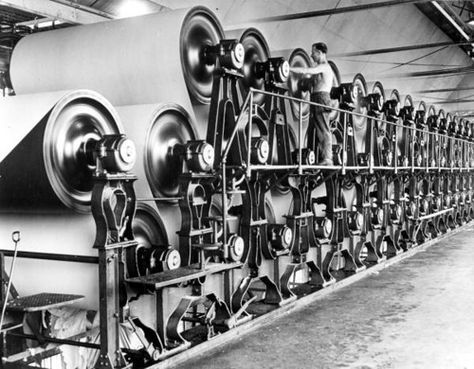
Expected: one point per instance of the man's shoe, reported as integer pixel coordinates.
(326, 163)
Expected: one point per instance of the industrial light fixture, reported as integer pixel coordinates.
(133, 8)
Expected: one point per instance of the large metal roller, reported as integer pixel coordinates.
(156, 129)
(140, 60)
(46, 171)
(256, 51)
(359, 94)
(298, 86)
(47, 143)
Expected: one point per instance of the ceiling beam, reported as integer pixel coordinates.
(438, 90)
(400, 48)
(65, 11)
(332, 11)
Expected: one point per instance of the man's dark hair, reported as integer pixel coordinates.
(321, 46)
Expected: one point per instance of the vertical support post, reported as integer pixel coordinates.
(371, 146)
(413, 133)
(300, 138)
(3, 298)
(344, 143)
(249, 138)
(428, 151)
(395, 149)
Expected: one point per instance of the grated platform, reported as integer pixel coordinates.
(42, 301)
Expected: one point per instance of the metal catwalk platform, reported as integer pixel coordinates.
(418, 313)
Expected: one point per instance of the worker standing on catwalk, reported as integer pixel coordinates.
(321, 82)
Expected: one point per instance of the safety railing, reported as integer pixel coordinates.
(463, 146)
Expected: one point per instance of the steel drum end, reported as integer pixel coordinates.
(201, 29)
(170, 127)
(76, 123)
(256, 51)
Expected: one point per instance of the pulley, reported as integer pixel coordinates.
(200, 32)
(256, 51)
(171, 128)
(75, 126)
(453, 126)
(407, 112)
(274, 70)
(376, 99)
(356, 221)
(396, 212)
(150, 233)
(161, 260)
(324, 229)
(229, 53)
(116, 153)
(377, 216)
(299, 85)
(433, 119)
(280, 236)
(236, 247)
(308, 156)
(392, 107)
(420, 115)
(443, 121)
(260, 150)
(198, 155)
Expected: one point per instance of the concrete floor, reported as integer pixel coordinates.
(418, 313)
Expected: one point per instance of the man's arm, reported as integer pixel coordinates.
(307, 70)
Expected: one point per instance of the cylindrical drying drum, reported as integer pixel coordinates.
(140, 60)
(45, 164)
(46, 179)
(299, 86)
(256, 50)
(155, 129)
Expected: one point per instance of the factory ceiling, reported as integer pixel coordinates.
(453, 18)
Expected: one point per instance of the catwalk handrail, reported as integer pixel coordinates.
(248, 104)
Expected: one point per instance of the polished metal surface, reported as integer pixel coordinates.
(359, 93)
(333, 115)
(299, 86)
(57, 152)
(150, 233)
(171, 125)
(256, 50)
(200, 28)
